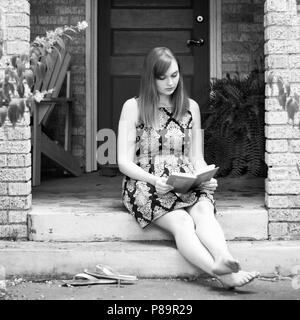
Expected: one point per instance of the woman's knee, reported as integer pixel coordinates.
(177, 221)
(184, 222)
(202, 208)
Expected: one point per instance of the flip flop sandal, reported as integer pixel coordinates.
(108, 272)
(83, 279)
(99, 276)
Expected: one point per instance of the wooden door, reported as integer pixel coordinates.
(128, 29)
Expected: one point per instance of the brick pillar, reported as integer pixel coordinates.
(15, 143)
(282, 50)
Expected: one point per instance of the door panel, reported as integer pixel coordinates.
(128, 29)
(152, 3)
(141, 42)
(151, 18)
(127, 66)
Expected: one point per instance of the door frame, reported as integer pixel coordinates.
(92, 67)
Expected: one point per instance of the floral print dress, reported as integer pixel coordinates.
(161, 152)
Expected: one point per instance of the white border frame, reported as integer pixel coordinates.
(91, 70)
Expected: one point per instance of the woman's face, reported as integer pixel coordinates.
(167, 84)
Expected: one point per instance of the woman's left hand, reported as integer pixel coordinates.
(209, 186)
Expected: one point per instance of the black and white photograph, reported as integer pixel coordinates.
(149, 153)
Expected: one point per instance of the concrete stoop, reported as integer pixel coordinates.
(110, 223)
(47, 260)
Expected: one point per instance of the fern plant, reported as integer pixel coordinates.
(234, 130)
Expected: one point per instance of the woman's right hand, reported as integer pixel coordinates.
(161, 186)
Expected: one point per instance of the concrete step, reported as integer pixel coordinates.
(40, 260)
(109, 222)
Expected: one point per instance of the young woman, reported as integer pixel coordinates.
(160, 133)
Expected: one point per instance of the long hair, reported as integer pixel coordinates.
(156, 64)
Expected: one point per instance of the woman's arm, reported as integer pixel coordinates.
(197, 143)
(127, 144)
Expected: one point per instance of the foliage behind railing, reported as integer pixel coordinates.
(23, 70)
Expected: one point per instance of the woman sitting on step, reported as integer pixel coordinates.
(159, 134)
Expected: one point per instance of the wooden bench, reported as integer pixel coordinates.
(55, 76)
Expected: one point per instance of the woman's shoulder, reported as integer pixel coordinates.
(131, 105)
(130, 109)
(193, 106)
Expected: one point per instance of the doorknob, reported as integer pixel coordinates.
(196, 43)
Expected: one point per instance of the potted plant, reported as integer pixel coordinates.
(234, 129)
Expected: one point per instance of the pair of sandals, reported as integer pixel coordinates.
(102, 275)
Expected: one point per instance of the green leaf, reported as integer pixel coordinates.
(292, 107)
(59, 54)
(20, 68)
(61, 43)
(66, 35)
(11, 87)
(14, 113)
(3, 115)
(29, 78)
(288, 89)
(14, 61)
(280, 84)
(21, 90)
(282, 100)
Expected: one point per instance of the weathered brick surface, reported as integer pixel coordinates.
(274, 117)
(47, 15)
(282, 159)
(283, 173)
(281, 202)
(283, 187)
(282, 49)
(242, 35)
(15, 143)
(15, 217)
(14, 231)
(276, 146)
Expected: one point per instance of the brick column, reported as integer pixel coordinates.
(15, 143)
(282, 50)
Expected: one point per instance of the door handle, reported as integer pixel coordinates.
(196, 43)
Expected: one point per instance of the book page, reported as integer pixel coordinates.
(205, 169)
(181, 182)
(203, 177)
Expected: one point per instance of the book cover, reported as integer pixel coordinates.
(184, 182)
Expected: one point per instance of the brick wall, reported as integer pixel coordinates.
(47, 15)
(282, 50)
(15, 144)
(242, 35)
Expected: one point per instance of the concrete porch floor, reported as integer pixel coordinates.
(89, 189)
(89, 208)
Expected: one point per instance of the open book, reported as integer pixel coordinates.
(184, 182)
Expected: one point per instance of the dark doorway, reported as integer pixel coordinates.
(128, 29)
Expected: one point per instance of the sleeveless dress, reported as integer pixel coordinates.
(161, 152)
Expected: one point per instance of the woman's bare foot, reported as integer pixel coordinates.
(225, 265)
(238, 279)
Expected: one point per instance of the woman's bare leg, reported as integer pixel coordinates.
(211, 235)
(180, 224)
